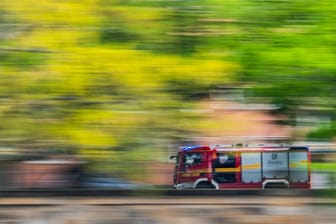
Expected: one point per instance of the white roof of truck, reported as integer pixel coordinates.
(244, 148)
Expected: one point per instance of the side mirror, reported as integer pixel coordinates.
(172, 157)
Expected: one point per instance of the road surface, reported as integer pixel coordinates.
(168, 210)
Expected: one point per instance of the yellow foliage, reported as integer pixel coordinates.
(78, 64)
(91, 138)
(52, 12)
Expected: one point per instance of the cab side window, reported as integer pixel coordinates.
(191, 159)
(225, 160)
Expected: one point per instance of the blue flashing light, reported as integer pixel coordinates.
(188, 148)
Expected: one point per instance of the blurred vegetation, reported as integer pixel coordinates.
(105, 78)
(324, 167)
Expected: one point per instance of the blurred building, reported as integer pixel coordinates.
(20, 168)
(236, 118)
(47, 173)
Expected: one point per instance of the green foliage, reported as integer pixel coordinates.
(323, 133)
(22, 60)
(324, 166)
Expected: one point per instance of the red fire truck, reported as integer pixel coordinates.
(242, 166)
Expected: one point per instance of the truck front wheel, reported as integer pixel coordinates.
(205, 185)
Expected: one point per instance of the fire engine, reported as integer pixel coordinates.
(242, 166)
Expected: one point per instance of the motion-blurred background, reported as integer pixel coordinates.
(108, 89)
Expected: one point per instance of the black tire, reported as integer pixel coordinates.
(204, 185)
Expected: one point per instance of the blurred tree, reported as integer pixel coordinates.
(105, 79)
(115, 80)
(287, 50)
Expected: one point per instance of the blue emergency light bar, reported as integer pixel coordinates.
(189, 148)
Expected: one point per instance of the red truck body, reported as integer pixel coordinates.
(242, 166)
